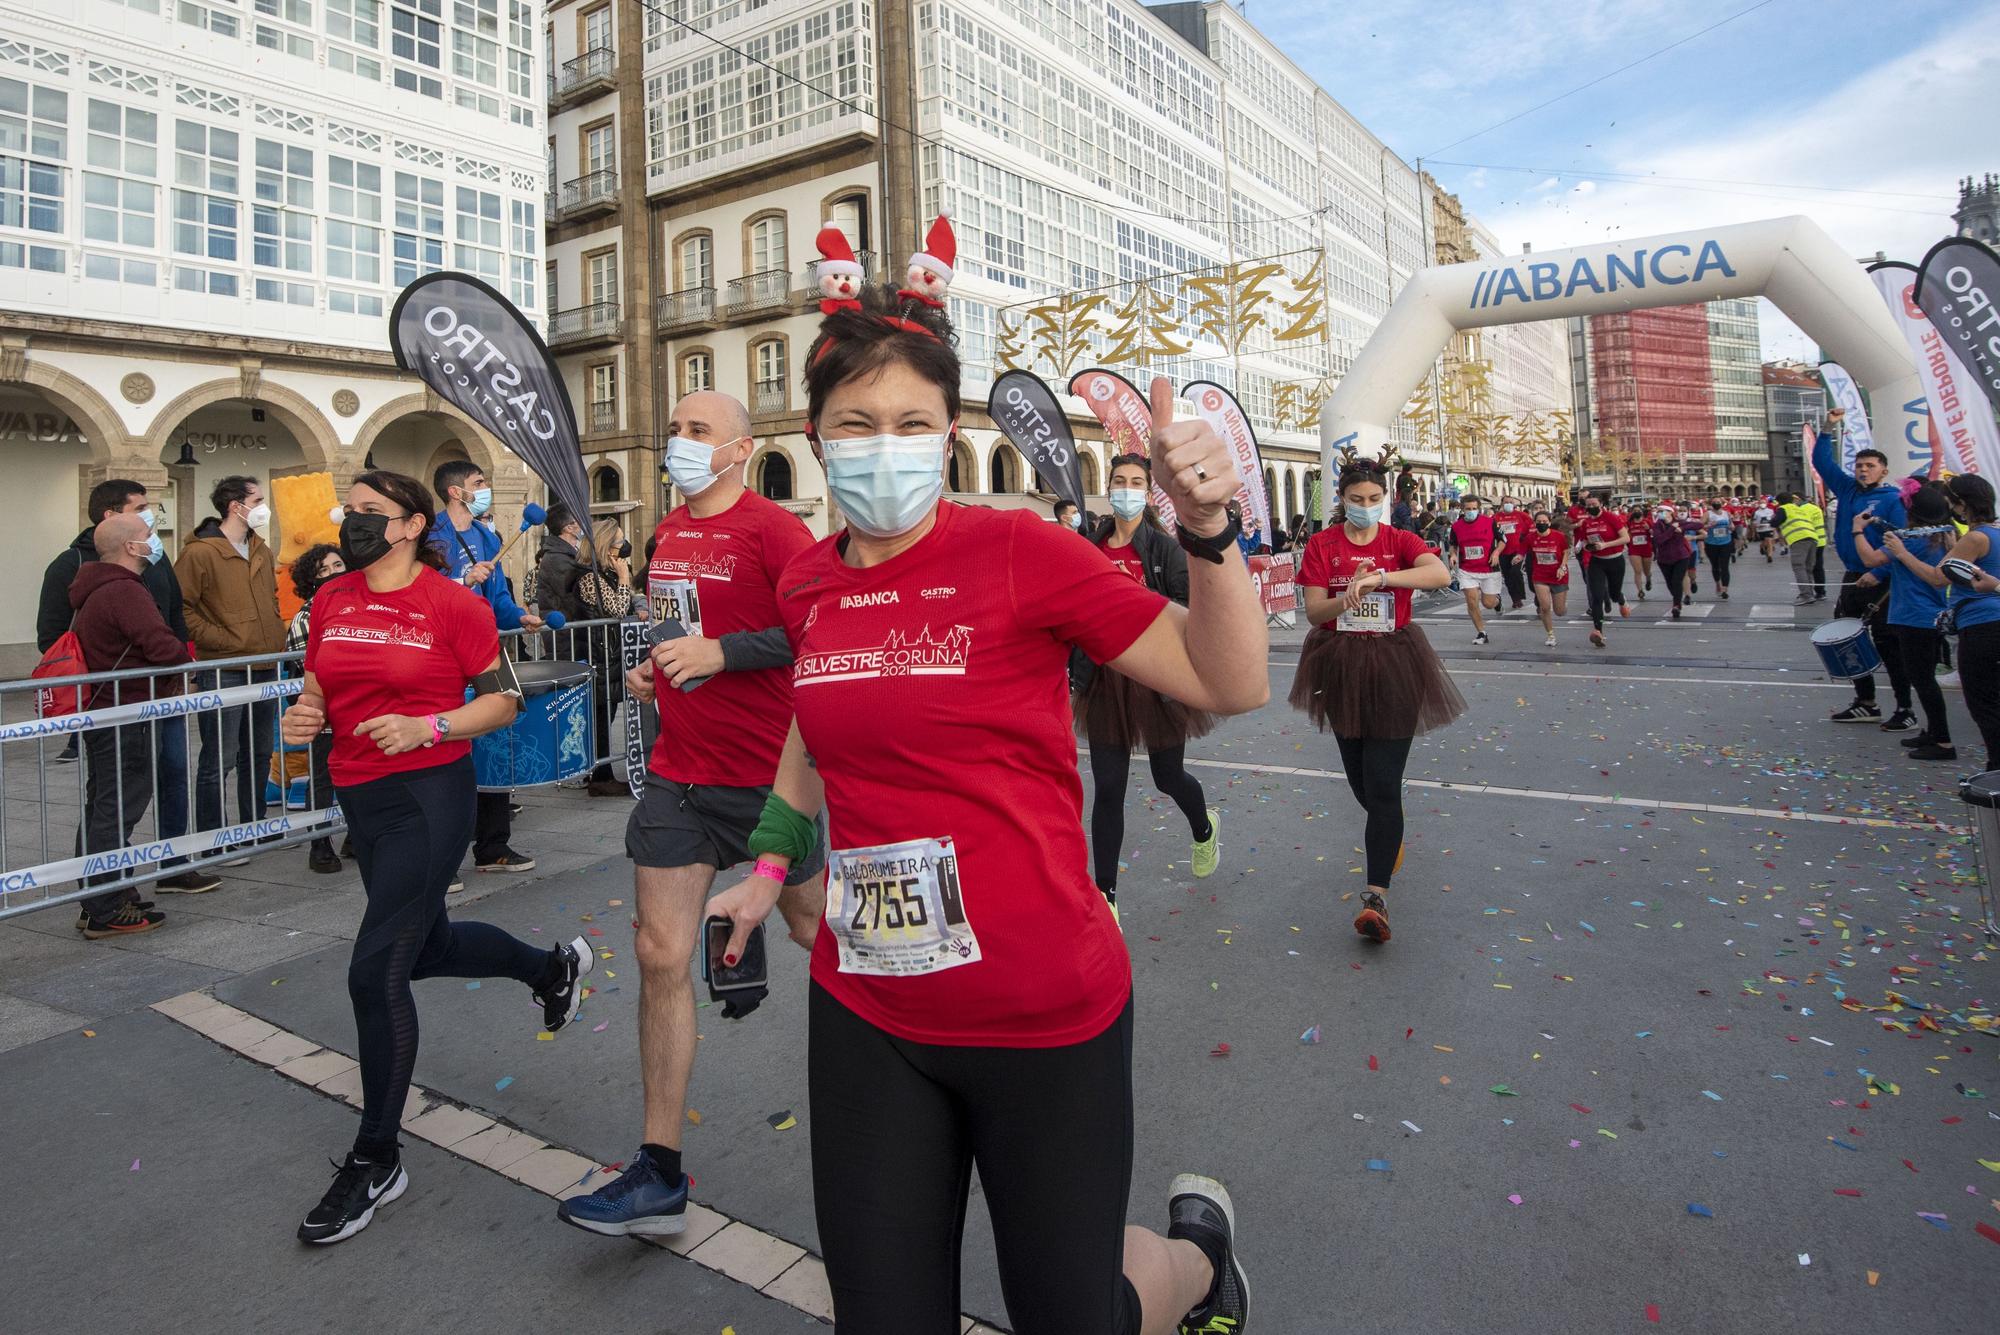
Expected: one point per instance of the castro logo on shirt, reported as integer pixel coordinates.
(899, 655)
(940, 591)
(881, 599)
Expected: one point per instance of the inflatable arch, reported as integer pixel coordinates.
(1790, 260)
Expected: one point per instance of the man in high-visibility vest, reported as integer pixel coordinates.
(1803, 526)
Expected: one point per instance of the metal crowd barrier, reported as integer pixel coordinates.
(171, 770)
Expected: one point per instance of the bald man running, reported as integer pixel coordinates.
(725, 697)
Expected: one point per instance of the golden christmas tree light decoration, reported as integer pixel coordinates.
(1147, 329)
(1062, 328)
(1308, 305)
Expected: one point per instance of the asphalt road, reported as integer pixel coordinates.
(1623, 1061)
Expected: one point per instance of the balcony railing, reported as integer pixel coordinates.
(760, 291)
(603, 415)
(584, 324)
(595, 192)
(596, 66)
(770, 396)
(687, 309)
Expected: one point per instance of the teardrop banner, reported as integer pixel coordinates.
(1026, 411)
(1219, 408)
(481, 355)
(1962, 427)
(1959, 288)
(1128, 420)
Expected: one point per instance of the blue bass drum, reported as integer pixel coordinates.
(550, 741)
(1845, 648)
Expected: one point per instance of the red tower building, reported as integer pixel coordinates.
(1653, 388)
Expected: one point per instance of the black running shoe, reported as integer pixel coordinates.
(350, 1203)
(1934, 751)
(1858, 712)
(1921, 739)
(1198, 1208)
(559, 1003)
(1900, 721)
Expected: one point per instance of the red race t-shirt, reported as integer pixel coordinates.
(1126, 558)
(1548, 557)
(1476, 540)
(1640, 533)
(1331, 559)
(1608, 527)
(408, 652)
(1514, 525)
(931, 693)
(716, 576)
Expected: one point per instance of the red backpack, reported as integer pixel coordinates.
(64, 659)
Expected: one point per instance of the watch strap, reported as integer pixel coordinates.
(1212, 548)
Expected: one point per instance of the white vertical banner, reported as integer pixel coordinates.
(1963, 428)
(1846, 395)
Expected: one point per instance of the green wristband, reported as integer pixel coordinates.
(782, 830)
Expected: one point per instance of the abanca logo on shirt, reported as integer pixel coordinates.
(897, 656)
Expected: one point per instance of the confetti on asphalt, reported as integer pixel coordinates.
(782, 1121)
(503, 1082)
(1653, 1312)
(1310, 1036)
(134, 1168)
(1702, 1210)
(1378, 1165)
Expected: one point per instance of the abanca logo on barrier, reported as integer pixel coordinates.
(1666, 266)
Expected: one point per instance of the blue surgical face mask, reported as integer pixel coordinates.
(688, 464)
(152, 519)
(481, 502)
(1365, 516)
(1468, 515)
(1128, 502)
(155, 549)
(885, 485)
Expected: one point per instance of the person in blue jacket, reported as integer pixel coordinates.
(1917, 594)
(1865, 490)
(471, 548)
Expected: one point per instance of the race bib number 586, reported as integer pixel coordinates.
(896, 910)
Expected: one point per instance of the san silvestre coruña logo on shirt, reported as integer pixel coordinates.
(721, 567)
(899, 655)
(395, 635)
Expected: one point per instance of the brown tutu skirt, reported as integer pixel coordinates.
(1362, 685)
(1114, 710)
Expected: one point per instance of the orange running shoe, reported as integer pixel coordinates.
(1373, 920)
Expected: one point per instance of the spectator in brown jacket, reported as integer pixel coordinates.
(120, 627)
(229, 590)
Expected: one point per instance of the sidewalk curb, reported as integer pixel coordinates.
(775, 1268)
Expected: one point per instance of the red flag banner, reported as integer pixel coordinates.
(1128, 420)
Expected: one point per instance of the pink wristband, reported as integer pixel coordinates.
(770, 870)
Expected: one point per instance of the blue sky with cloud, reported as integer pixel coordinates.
(1891, 101)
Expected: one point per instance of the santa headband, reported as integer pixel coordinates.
(928, 274)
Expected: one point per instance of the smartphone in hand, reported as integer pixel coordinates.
(738, 980)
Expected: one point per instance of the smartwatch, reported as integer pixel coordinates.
(1211, 549)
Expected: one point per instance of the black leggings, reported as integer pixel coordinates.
(1110, 766)
(1676, 574)
(896, 1129)
(1979, 674)
(1918, 647)
(1718, 562)
(1374, 767)
(1606, 580)
(410, 831)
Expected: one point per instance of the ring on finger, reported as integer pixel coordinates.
(1201, 473)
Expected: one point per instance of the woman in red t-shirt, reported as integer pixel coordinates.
(1548, 570)
(1366, 673)
(971, 993)
(1116, 715)
(393, 647)
(1639, 523)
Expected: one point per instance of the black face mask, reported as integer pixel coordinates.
(625, 551)
(1541, 525)
(364, 540)
(1593, 509)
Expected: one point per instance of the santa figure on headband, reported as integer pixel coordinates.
(839, 272)
(930, 268)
